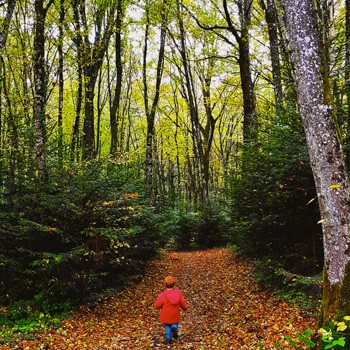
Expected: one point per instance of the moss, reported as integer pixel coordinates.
(329, 299)
(336, 298)
(344, 300)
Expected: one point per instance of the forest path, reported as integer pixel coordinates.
(227, 310)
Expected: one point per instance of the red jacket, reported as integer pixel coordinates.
(170, 302)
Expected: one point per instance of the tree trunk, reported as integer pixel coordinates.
(115, 108)
(250, 123)
(40, 88)
(90, 78)
(5, 24)
(78, 40)
(198, 149)
(347, 78)
(209, 128)
(325, 19)
(99, 104)
(271, 18)
(91, 58)
(150, 125)
(60, 85)
(326, 155)
(4, 30)
(78, 106)
(151, 111)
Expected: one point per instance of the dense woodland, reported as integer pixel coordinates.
(128, 127)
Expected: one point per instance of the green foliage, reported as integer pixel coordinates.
(214, 226)
(270, 203)
(302, 338)
(178, 227)
(335, 335)
(303, 292)
(76, 237)
(187, 227)
(25, 316)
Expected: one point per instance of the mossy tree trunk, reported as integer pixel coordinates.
(326, 154)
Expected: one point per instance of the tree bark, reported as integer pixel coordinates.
(4, 30)
(347, 78)
(209, 128)
(200, 183)
(325, 23)
(151, 110)
(326, 155)
(40, 88)
(92, 55)
(271, 18)
(115, 107)
(60, 85)
(78, 40)
(5, 25)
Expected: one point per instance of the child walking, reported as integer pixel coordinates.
(170, 302)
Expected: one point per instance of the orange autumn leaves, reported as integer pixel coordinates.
(227, 311)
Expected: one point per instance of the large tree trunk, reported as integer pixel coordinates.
(326, 155)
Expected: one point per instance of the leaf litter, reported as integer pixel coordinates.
(227, 310)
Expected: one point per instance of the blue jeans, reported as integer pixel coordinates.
(169, 329)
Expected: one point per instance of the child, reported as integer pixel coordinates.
(170, 302)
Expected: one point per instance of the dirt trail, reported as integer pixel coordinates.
(227, 311)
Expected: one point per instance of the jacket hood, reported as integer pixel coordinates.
(173, 296)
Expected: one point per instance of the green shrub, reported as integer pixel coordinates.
(75, 237)
(187, 227)
(214, 226)
(178, 227)
(273, 210)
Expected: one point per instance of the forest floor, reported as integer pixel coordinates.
(227, 310)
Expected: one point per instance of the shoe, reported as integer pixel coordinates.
(175, 334)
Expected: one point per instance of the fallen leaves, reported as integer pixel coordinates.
(227, 311)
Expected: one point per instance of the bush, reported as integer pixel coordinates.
(188, 228)
(273, 209)
(73, 239)
(178, 227)
(214, 226)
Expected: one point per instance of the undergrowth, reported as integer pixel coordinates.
(301, 291)
(23, 317)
